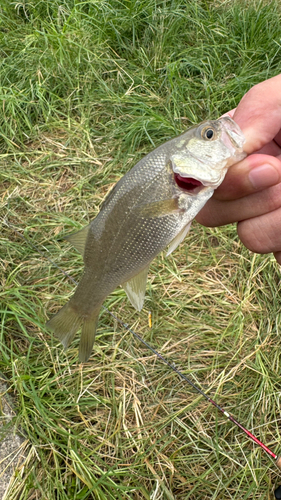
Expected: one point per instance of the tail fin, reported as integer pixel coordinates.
(88, 336)
(67, 322)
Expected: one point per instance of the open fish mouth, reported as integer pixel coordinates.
(188, 183)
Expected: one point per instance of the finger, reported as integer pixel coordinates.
(277, 256)
(271, 149)
(259, 114)
(277, 138)
(229, 113)
(218, 212)
(254, 173)
(262, 234)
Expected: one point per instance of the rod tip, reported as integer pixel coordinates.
(278, 462)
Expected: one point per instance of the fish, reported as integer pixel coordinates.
(151, 207)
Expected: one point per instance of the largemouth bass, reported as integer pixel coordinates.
(151, 207)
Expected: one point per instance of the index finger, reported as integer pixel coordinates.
(253, 174)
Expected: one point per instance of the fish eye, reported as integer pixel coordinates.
(208, 133)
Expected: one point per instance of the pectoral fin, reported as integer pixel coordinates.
(178, 239)
(78, 240)
(160, 208)
(135, 289)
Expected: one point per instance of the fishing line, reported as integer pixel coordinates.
(164, 360)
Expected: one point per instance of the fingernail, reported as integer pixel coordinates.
(263, 176)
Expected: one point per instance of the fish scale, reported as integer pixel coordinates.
(147, 210)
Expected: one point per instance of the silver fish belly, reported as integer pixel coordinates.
(151, 207)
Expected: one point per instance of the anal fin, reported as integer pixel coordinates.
(135, 289)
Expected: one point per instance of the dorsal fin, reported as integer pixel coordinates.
(108, 197)
(78, 240)
(135, 289)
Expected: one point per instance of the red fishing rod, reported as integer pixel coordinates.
(210, 400)
(181, 375)
(277, 492)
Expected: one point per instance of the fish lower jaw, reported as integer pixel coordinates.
(190, 185)
(195, 191)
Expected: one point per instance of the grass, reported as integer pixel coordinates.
(87, 88)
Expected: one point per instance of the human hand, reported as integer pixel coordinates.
(251, 191)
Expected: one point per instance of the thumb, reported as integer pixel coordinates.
(259, 114)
